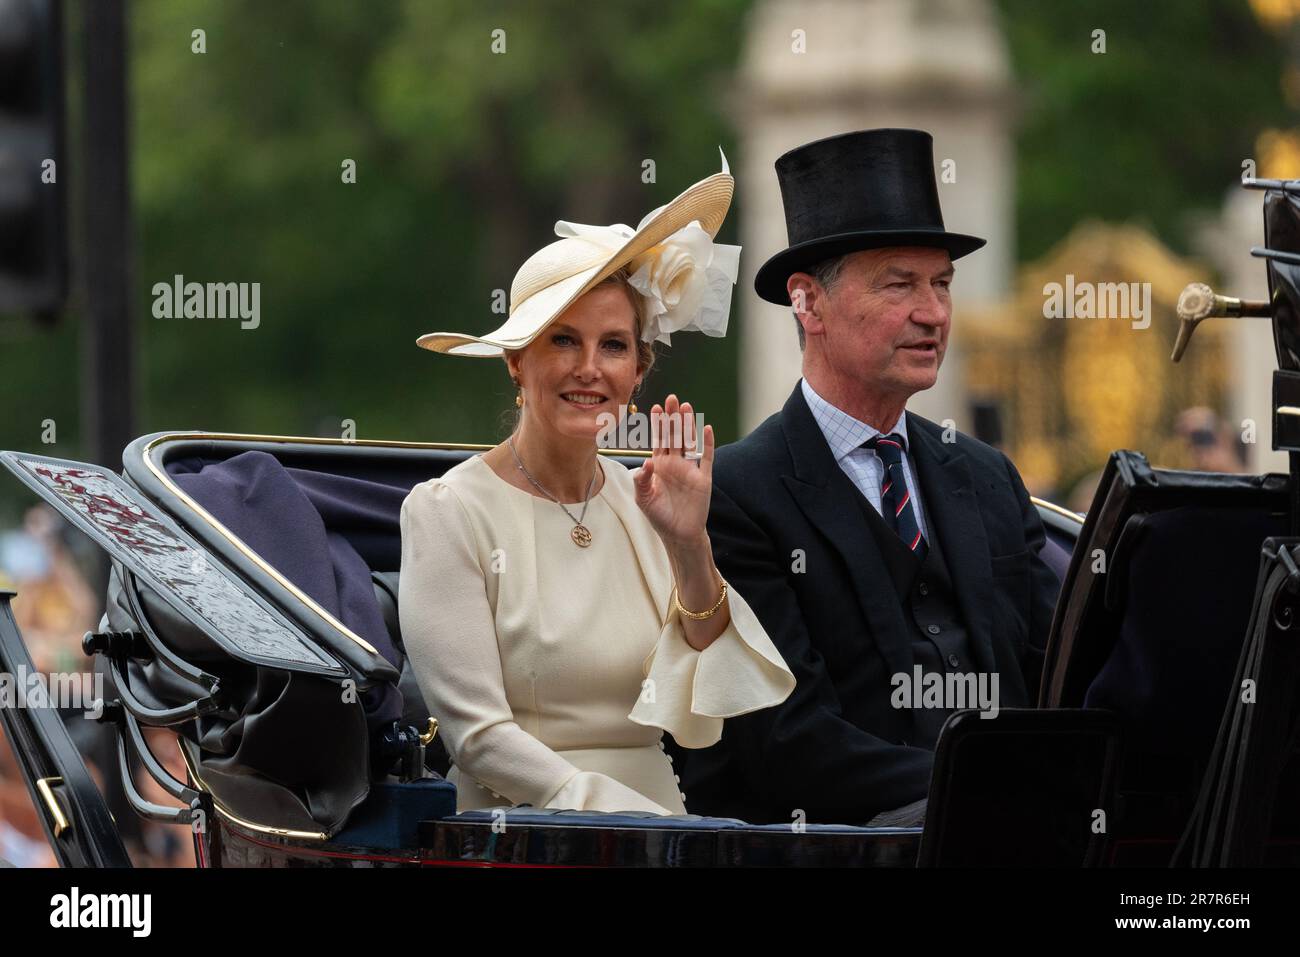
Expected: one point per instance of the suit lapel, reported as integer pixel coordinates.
(952, 512)
(825, 496)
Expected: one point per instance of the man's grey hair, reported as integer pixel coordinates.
(827, 273)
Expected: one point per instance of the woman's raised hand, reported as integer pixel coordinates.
(671, 489)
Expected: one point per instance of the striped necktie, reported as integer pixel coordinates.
(895, 497)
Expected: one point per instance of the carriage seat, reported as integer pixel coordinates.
(390, 815)
(414, 710)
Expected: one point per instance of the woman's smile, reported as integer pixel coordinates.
(583, 398)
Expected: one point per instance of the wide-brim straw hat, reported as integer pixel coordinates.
(557, 275)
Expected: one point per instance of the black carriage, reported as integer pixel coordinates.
(205, 636)
(1165, 731)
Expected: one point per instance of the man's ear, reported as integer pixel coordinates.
(802, 289)
(806, 294)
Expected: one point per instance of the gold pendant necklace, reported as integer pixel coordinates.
(580, 533)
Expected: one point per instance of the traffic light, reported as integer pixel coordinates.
(33, 236)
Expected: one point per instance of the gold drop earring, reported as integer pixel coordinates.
(519, 396)
(631, 406)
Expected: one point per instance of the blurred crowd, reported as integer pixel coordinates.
(54, 607)
(1208, 443)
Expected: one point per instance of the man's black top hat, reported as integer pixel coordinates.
(862, 190)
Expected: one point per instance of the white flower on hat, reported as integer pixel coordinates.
(686, 281)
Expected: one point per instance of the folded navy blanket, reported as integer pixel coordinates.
(295, 519)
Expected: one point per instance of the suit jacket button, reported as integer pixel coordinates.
(923, 588)
(933, 629)
(954, 660)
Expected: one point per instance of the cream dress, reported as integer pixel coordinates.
(551, 668)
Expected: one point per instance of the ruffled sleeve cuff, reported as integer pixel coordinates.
(592, 791)
(688, 693)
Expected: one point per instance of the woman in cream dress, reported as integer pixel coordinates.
(561, 611)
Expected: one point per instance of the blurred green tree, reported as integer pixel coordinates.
(465, 157)
(1152, 130)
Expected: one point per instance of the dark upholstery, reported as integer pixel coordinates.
(320, 531)
(389, 817)
(1183, 581)
(386, 596)
(1055, 553)
(414, 711)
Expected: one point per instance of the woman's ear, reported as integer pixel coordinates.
(512, 365)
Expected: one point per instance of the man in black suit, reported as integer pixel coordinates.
(875, 546)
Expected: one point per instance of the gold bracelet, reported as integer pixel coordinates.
(701, 615)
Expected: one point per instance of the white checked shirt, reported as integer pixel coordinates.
(845, 435)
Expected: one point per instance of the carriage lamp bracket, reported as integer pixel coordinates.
(130, 644)
(1283, 607)
(129, 729)
(1287, 560)
(1198, 302)
(1286, 410)
(139, 646)
(1290, 186)
(139, 803)
(45, 787)
(430, 732)
(403, 746)
(1276, 255)
(130, 738)
(120, 647)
